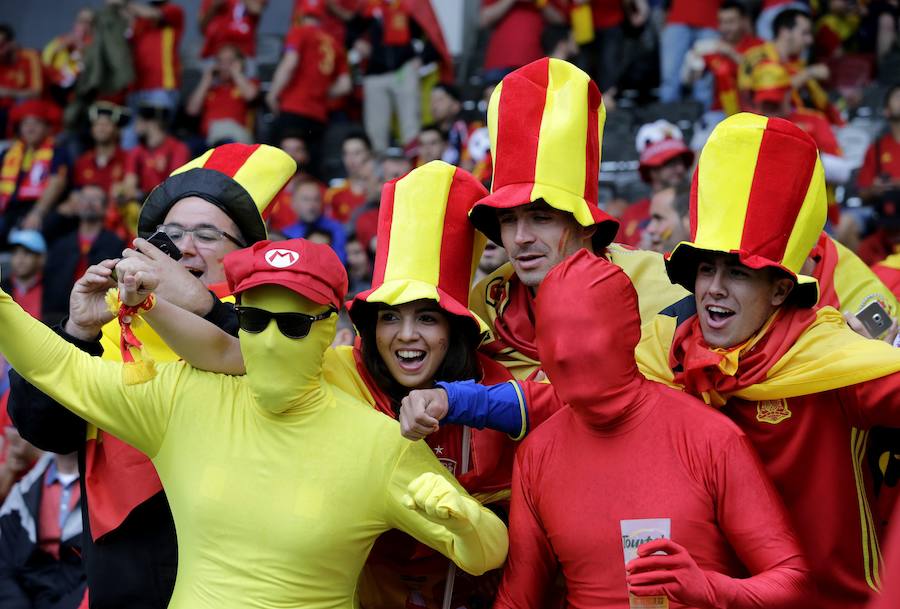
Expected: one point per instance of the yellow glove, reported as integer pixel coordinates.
(440, 502)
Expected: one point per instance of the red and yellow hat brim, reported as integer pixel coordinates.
(427, 250)
(758, 193)
(546, 124)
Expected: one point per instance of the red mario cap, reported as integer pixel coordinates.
(310, 269)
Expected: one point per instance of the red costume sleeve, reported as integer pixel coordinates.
(531, 564)
(755, 522)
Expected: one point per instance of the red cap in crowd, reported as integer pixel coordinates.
(658, 143)
(310, 269)
(37, 108)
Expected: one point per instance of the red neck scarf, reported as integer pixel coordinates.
(514, 326)
(707, 373)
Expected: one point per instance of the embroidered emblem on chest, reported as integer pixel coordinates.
(772, 411)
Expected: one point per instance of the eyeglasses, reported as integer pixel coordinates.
(203, 235)
(292, 325)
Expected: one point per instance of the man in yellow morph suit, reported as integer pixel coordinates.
(278, 483)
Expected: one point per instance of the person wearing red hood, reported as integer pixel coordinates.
(753, 343)
(664, 163)
(627, 448)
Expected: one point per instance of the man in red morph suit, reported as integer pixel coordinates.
(627, 448)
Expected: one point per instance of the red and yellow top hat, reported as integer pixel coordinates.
(770, 81)
(759, 193)
(546, 124)
(426, 247)
(239, 179)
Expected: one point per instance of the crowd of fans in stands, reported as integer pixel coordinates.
(364, 90)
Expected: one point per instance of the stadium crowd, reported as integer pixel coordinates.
(111, 134)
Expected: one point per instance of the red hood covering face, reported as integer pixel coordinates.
(588, 326)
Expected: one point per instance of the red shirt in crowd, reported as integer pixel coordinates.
(331, 23)
(29, 298)
(58, 499)
(632, 223)
(153, 166)
(341, 201)
(626, 448)
(322, 61)
(155, 45)
(516, 38)
(607, 13)
(23, 73)
(89, 171)
(224, 101)
(889, 157)
(817, 126)
(695, 13)
(232, 24)
(725, 75)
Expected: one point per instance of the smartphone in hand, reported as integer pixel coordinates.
(875, 319)
(162, 241)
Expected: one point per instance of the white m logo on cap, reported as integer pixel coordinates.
(280, 258)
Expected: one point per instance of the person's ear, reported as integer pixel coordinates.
(587, 232)
(781, 290)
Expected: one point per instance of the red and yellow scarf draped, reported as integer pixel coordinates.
(19, 158)
(797, 352)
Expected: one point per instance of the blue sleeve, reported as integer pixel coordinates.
(500, 407)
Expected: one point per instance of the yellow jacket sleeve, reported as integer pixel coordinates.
(88, 386)
(476, 541)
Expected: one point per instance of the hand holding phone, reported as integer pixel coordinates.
(164, 243)
(875, 319)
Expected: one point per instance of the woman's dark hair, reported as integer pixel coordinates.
(460, 363)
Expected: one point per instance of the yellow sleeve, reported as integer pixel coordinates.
(88, 386)
(857, 285)
(476, 549)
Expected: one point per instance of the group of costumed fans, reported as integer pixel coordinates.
(281, 459)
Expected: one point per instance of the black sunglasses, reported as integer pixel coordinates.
(292, 325)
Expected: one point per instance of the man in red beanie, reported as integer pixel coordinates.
(33, 171)
(626, 448)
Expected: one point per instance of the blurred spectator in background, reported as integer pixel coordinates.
(492, 258)
(307, 204)
(71, 255)
(17, 456)
(312, 70)
(880, 27)
(223, 99)
(792, 42)
(836, 29)
(881, 168)
(280, 213)
(446, 105)
(664, 163)
(885, 241)
(34, 170)
(344, 199)
(21, 76)
(157, 155)
(598, 30)
(385, 42)
(771, 9)
(104, 163)
(722, 58)
(364, 221)
(155, 40)
(334, 20)
(25, 282)
(63, 57)
(670, 222)
(40, 539)
(687, 22)
(359, 266)
(432, 145)
(230, 22)
(515, 28)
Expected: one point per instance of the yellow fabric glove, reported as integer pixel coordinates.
(439, 501)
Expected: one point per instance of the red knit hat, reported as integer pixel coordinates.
(310, 269)
(37, 108)
(546, 124)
